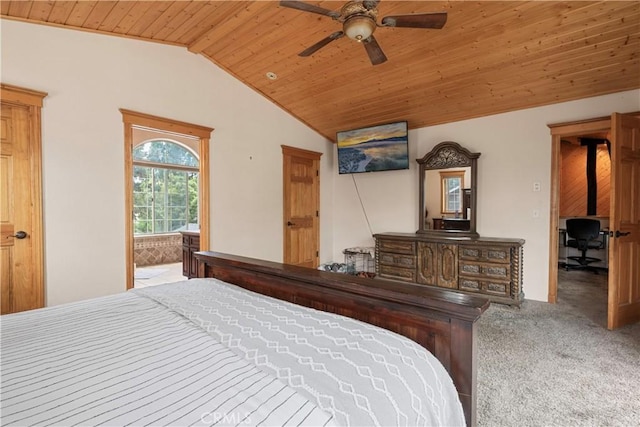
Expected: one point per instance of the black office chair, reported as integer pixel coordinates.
(583, 234)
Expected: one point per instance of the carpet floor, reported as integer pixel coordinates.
(557, 364)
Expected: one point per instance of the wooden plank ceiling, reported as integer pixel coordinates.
(490, 57)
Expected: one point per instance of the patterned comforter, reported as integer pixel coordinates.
(204, 352)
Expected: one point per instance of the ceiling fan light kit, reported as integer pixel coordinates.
(359, 28)
(359, 21)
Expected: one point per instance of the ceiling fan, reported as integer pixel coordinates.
(359, 21)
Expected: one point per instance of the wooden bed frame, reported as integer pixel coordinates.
(441, 321)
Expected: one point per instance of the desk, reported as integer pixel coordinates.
(565, 251)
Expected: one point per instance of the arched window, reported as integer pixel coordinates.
(165, 187)
(161, 151)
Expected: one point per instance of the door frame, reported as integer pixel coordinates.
(132, 120)
(558, 131)
(33, 101)
(600, 124)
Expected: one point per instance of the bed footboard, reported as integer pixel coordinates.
(442, 321)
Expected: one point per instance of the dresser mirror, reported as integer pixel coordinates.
(448, 190)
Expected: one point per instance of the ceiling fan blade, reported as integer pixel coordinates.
(424, 20)
(306, 7)
(376, 55)
(322, 43)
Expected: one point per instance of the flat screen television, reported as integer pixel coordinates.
(373, 149)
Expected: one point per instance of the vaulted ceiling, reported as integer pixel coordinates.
(490, 57)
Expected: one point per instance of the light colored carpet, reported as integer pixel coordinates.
(148, 273)
(557, 365)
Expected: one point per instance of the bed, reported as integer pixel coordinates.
(235, 347)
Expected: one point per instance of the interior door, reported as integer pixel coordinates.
(624, 222)
(20, 201)
(301, 196)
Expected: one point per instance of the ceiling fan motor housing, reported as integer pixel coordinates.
(352, 8)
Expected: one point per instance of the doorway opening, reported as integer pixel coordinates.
(584, 207)
(165, 203)
(166, 194)
(584, 288)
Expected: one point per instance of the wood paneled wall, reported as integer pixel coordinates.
(573, 180)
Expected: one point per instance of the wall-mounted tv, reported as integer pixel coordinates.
(373, 149)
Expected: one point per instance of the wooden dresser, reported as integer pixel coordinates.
(488, 266)
(190, 245)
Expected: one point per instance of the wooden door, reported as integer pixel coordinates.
(21, 246)
(624, 222)
(301, 196)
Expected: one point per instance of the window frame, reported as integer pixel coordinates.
(445, 176)
(153, 167)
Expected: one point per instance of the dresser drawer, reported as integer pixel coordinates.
(397, 260)
(488, 270)
(189, 240)
(397, 273)
(486, 287)
(485, 254)
(397, 246)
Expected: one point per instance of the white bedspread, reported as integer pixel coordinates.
(204, 352)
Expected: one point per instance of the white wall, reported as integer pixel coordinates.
(88, 78)
(516, 152)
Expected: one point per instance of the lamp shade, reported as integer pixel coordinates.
(359, 27)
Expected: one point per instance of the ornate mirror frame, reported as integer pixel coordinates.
(446, 155)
